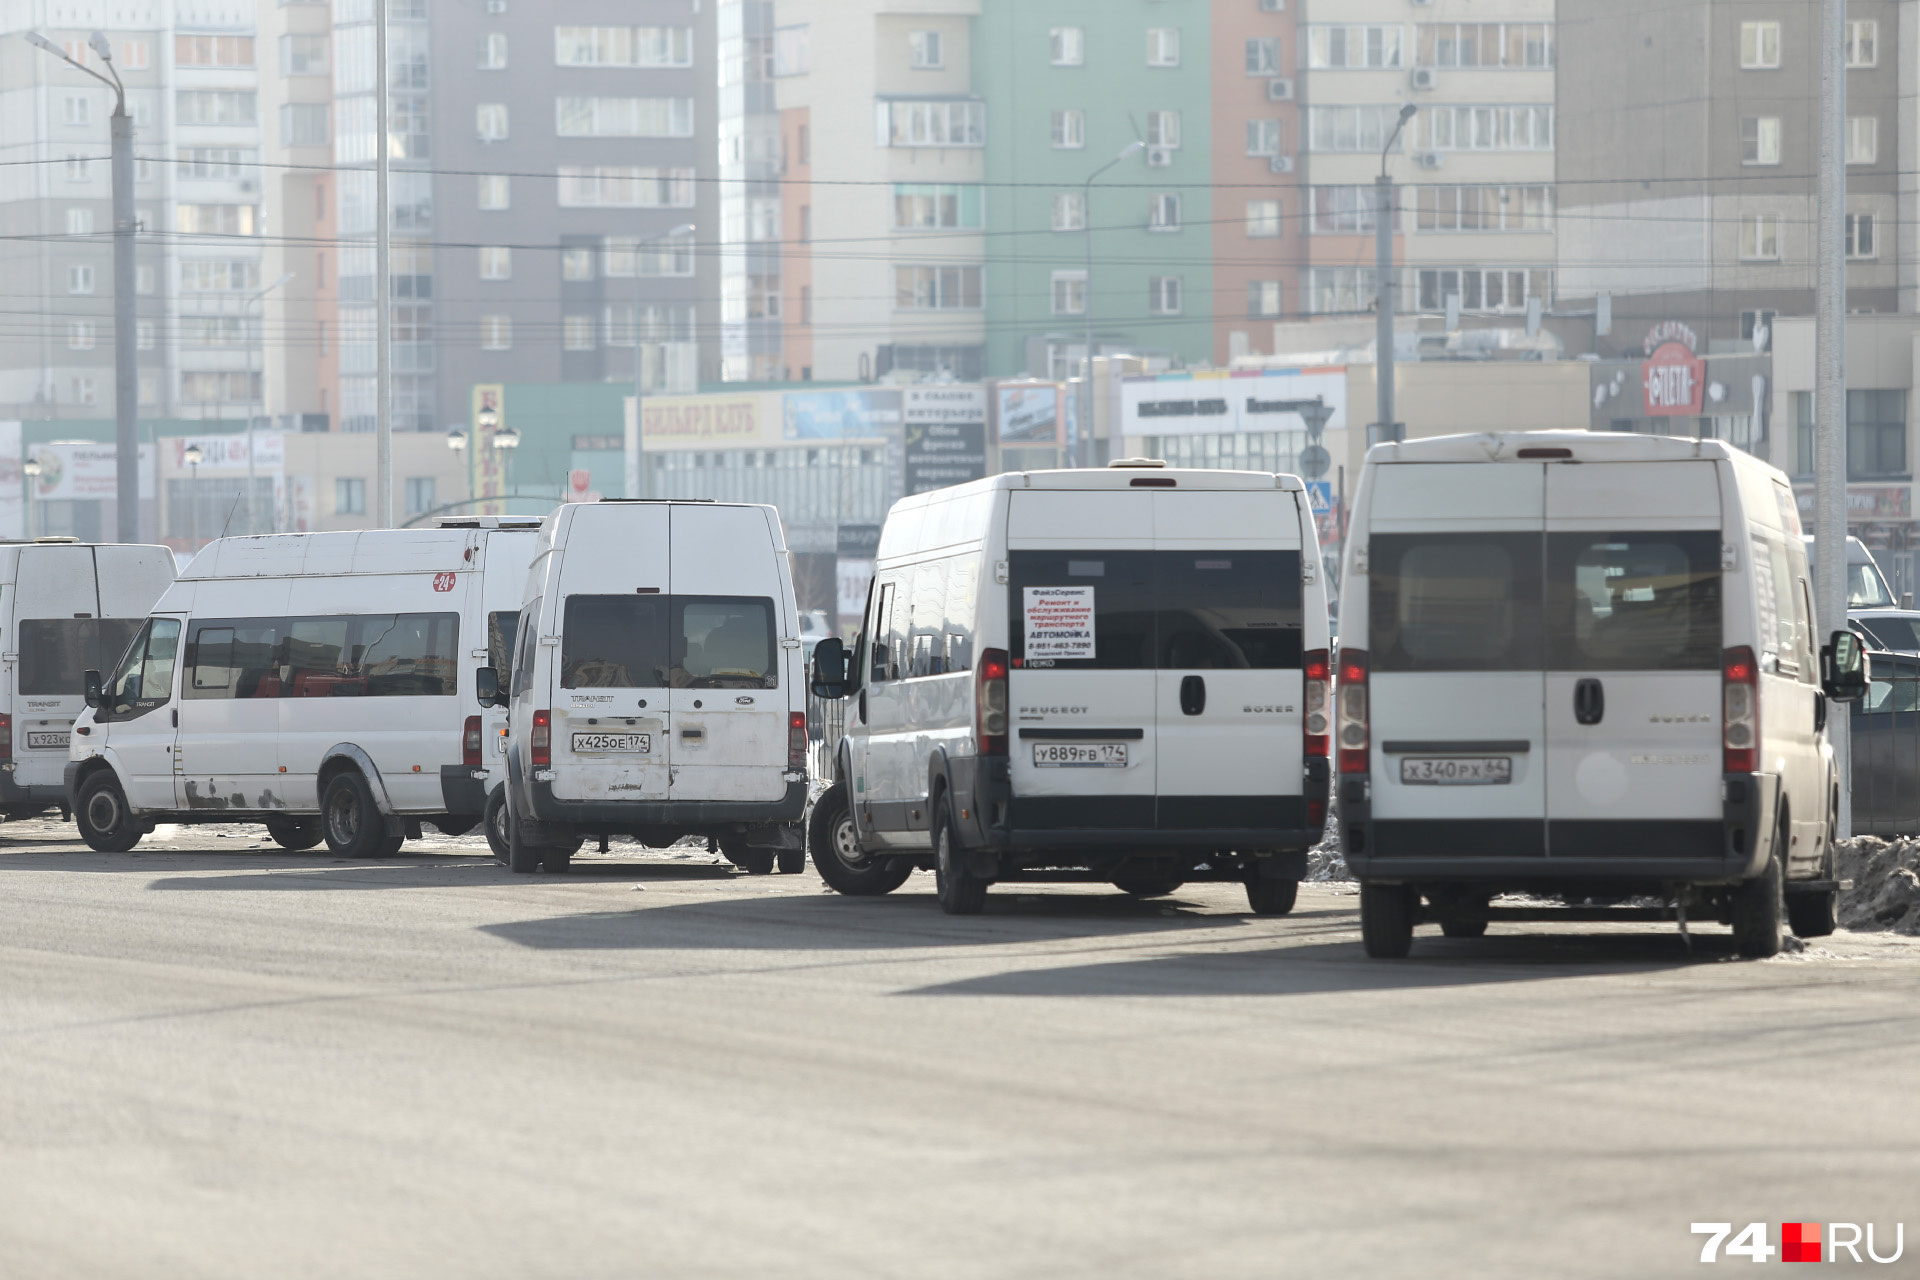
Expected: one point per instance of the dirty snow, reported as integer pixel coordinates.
(1886, 884)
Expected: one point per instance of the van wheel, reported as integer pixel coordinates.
(495, 823)
(755, 862)
(961, 892)
(105, 821)
(1386, 919)
(294, 833)
(792, 862)
(390, 845)
(1757, 910)
(522, 858)
(353, 823)
(835, 847)
(1139, 887)
(1813, 915)
(1271, 897)
(557, 858)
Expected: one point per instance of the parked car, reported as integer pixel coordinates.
(1888, 630)
(309, 682)
(656, 689)
(1119, 673)
(1584, 665)
(1867, 587)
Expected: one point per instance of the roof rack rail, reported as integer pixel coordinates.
(1138, 462)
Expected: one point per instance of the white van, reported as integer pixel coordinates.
(65, 606)
(311, 682)
(1114, 674)
(1583, 666)
(656, 688)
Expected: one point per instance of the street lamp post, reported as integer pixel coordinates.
(639, 358)
(126, 376)
(1386, 428)
(506, 440)
(31, 470)
(1083, 444)
(253, 506)
(192, 458)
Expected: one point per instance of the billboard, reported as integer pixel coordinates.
(1223, 403)
(711, 421)
(841, 415)
(946, 436)
(1029, 414)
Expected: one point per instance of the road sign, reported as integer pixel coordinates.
(1314, 461)
(1320, 496)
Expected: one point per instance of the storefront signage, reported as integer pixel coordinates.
(841, 415)
(1673, 381)
(1670, 331)
(685, 422)
(946, 436)
(1029, 414)
(1223, 403)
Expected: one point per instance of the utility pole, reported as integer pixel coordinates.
(126, 369)
(258, 300)
(1387, 428)
(1084, 445)
(639, 357)
(383, 283)
(1830, 373)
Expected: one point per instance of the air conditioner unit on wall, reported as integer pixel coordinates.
(1280, 164)
(1429, 159)
(1159, 157)
(1425, 78)
(1279, 91)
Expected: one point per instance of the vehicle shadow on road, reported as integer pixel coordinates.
(818, 922)
(404, 872)
(1317, 967)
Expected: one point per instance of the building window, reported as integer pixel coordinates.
(496, 191)
(624, 117)
(1069, 130)
(1163, 128)
(80, 390)
(496, 262)
(216, 106)
(419, 495)
(806, 304)
(349, 496)
(213, 51)
(496, 333)
(143, 279)
(619, 186)
(216, 219)
(1863, 139)
(1759, 46)
(1482, 288)
(303, 55)
(79, 110)
(934, 207)
(1352, 46)
(493, 51)
(1340, 290)
(80, 222)
(576, 333)
(1760, 140)
(1069, 211)
(1163, 295)
(1163, 212)
(1068, 46)
(1480, 208)
(1263, 56)
(936, 288)
(576, 264)
(303, 124)
(79, 169)
(1860, 242)
(1163, 46)
(1485, 46)
(624, 256)
(1263, 138)
(642, 47)
(1263, 218)
(792, 50)
(135, 55)
(1363, 129)
(1876, 434)
(1489, 128)
(1760, 237)
(1263, 299)
(909, 123)
(145, 335)
(490, 121)
(79, 335)
(924, 48)
(80, 278)
(1755, 321)
(1863, 42)
(1069, 293)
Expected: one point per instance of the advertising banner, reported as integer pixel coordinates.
(1224, 403)
(1029, 413)
(946, 436)
(487, 470)
(841, 415)
(718, 421)
(226, 454)
(1059, 623)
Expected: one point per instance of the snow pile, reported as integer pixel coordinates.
(1886, 884)
(1324, 860)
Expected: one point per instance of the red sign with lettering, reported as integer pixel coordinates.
(443, 581)
(1673, 381)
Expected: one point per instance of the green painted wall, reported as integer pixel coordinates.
(1013, 72)
(548, 415)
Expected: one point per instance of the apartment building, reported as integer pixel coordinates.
(886, 266)
(1476, 162)
(748, 195)
(1259, 248)
(298, 307)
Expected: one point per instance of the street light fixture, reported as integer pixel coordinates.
(1084, 443)
(456, 439)
(1386, 428)
(126, 376)
(639, 355)
(31, 470)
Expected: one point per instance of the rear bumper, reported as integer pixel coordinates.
(678, 814)
(15, 794)
(463, 789)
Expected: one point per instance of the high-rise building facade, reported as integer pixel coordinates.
(298, 310)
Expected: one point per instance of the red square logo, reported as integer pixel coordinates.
(1799, 1242)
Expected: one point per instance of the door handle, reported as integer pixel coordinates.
(1193, 695)
(1589, 701)
(863, 706)
(176, 717)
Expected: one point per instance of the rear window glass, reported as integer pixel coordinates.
(723, 642)
(1454, 602)
(1636, 601)
(614, 642)
(1892, 633)
(57, 653)
(656, 642)
(1156, 610)
(1892, 686)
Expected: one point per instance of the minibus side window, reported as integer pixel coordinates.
(1649, 602)
(880, 641)
(1454, 602)
(407, 654)
(614, 642)
(524, 648)
(502, 625)
(233, 658)
(144, 681)
(962, 576)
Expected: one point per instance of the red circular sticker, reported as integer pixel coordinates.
(443, 581)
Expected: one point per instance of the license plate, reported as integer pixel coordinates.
(1079, 755)
(641, 743)
(1456, 771)
(48, 740)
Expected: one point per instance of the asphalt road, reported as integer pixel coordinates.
(222, 1059)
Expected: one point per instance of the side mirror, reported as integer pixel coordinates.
(93, 689)
(486, 687)
(1843, 668)
(830, 669)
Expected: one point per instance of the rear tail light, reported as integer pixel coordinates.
(1350, 719)
(1319, 684)
(6, 737)
(796, 739)
(990, 702)
(470, 755)
(541, 743)
(1740, 707)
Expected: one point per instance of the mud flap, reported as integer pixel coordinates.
(1290, 864)
(774, 835)
(1750, 809)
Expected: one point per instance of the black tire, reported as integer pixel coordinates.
(353, 823)
(791, 862)
(961, 892)
(1464, 928)
(1146, 887)
(755, 862)
(448, 824)
(391, 845)
(105, 820)
(495, 823)
(1814, 915)
(1387, 913)
(294, 833)
(1271, 897)
(558, 858)
(1759, 909)
(835, 847)
(523, 858)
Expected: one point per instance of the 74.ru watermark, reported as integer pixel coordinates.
(1799, 1242)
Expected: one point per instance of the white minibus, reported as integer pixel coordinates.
(1584, 666)
(656, 688)
(311, 682)
(1115, 675)
(65, 606)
